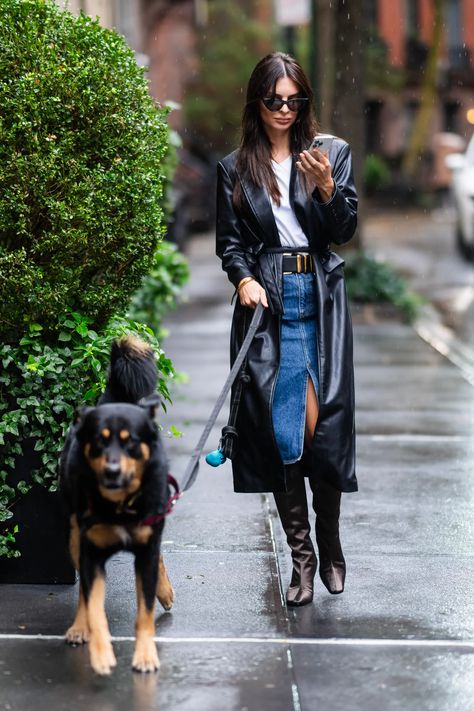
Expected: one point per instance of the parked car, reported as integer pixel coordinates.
(462, 187)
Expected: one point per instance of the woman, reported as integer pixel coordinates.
(279, 207)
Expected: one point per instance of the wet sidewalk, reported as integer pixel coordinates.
(402, 634)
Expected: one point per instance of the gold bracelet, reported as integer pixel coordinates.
(243, 282)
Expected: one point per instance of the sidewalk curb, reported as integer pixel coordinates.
(430, 328)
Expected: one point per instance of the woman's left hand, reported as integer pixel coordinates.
(316, 166)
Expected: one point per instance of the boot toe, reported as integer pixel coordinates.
(333, 577)
(296, 597)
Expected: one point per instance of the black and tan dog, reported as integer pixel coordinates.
(114, 477)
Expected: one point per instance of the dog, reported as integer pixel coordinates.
(114, 478)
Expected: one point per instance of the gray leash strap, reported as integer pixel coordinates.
(191, 471)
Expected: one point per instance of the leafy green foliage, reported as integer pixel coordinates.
(160, 288)
(41, 386)
(81, 150)
(376, 173)
(7, 543)
(373, 281)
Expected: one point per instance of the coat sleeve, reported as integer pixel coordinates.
(228, 238)
(341, 209)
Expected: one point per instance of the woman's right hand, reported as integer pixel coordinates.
(252, 293)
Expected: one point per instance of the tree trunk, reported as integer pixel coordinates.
(341, 81)
(421, 124)
(325, 61)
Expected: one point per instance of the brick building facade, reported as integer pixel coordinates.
(405, 28)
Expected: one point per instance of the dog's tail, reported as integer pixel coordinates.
(133, 374)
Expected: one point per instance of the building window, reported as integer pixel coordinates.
(459, 55)
(450, 116)
(371, 14)
(373, 111)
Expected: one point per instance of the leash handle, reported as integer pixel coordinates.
(191, 471)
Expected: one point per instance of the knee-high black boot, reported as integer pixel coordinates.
(326, 504)
(293, 510)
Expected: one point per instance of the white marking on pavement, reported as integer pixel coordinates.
(296, 697)
(406, 437)
(294, 641)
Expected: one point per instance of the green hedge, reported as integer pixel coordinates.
(81, 149)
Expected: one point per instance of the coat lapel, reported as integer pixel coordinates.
(262, 209)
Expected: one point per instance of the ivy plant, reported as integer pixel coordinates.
(40, 387)
(160, 288)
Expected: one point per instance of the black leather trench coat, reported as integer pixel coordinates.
(245, 238)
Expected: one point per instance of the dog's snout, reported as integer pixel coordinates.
(112, 469)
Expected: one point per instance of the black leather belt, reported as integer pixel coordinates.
(299, 263)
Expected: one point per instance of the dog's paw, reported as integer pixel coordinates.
(145, 658)
(102, 657)
(77, 635)
(165, 595)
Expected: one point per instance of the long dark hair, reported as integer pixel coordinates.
(255, 153)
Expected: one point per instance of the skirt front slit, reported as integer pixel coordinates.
(298, 363)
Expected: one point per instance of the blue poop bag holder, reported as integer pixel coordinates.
(229, 437)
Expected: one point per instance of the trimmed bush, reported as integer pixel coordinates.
(81, 149)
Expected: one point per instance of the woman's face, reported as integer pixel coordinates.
(283, 119)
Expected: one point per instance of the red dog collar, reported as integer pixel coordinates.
(151, 520)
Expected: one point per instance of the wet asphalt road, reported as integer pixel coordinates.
(402, 634)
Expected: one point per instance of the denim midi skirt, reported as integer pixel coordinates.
(298, 363)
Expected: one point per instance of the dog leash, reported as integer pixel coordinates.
(192, 469)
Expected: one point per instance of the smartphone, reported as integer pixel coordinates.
(322, 142)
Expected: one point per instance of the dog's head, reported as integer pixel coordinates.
(117, 442)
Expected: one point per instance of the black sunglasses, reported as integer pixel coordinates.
(274, 103)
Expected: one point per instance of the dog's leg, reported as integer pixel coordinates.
(164, 589)
(78, 633)
(145, 658)
(93, 578)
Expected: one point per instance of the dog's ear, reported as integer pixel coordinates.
(151, 404)
(80, 414)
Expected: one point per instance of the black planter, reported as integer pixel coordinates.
(43, 532)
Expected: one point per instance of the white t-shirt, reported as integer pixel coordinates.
(289, 229)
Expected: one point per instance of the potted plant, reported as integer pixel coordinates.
(81, 173)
